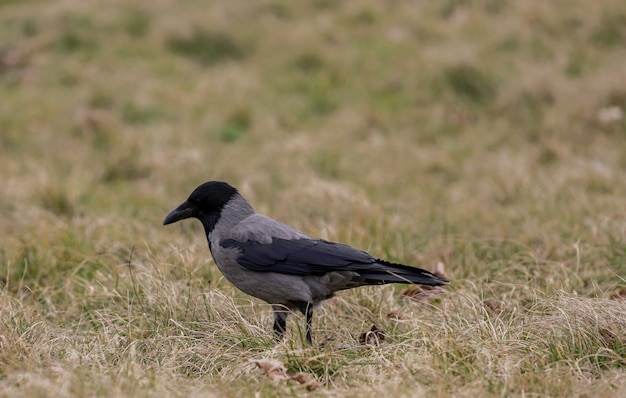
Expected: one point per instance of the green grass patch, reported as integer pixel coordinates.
(470, 82)
(207, 47)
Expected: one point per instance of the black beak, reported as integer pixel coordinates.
(185, 210)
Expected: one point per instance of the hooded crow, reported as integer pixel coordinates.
(279, 264)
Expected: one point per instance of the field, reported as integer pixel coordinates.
(484, 136)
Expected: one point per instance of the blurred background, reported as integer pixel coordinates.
(419, 130)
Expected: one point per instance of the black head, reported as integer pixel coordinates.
(204, 203)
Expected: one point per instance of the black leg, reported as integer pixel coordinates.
(280, 320)
(307, 310)
(309, 323)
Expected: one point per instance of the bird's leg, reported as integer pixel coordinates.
(309, 323)
(280, 320)
(307, 309)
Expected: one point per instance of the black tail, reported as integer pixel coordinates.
(382, 272)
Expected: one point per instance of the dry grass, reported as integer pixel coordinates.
(485, 135)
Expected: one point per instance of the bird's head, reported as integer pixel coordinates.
(204, 203)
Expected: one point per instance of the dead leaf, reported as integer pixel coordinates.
(306, 379)
(373, 337)
(421, 294)
(493, 305)
(411, 292)
(395, 314)
(274, 369)
(620, 294)
(425, 293)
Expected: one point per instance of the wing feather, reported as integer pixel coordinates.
(318, 257)
(298, 257)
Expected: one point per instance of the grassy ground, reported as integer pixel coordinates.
(485, 135)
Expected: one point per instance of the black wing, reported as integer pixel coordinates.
(298, 257)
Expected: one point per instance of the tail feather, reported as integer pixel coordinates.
(387, 272)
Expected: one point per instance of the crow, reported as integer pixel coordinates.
(278, 264)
